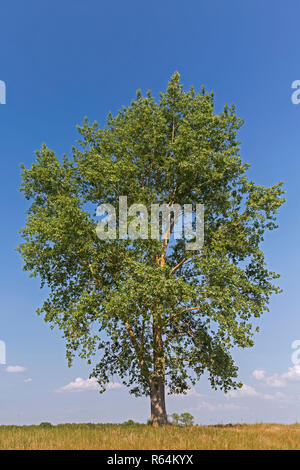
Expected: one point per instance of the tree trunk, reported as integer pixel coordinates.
(158, 405)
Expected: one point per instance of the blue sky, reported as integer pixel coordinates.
(63, 60)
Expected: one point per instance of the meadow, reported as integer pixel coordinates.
(143, 437)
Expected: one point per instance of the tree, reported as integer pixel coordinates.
(151, 311)
(175, 419)
(187, 419)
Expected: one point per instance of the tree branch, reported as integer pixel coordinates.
(144, 368)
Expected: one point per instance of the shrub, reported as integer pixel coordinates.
(185, 419)
(45, 424)
(130, 422)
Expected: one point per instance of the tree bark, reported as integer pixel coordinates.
(158, 404)
(157, 381)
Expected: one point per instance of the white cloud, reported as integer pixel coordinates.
(245, 391)
(275, 396)
(278, 380)
(259, 374)
(275, 381)
(82, 385)
(192, 392)
(217, 406)
(248, 391)
(293, 374)
(29, 379)
(15, 369)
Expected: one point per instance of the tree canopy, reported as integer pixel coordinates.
(152, 312)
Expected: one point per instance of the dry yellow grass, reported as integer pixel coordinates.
(121, 437)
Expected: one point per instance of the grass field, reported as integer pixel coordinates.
(125, 437)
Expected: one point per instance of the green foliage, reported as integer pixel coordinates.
(79, 425)
(45, 424)
(130, 422)
(175, 419)
(185, 419)
(143, 308)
